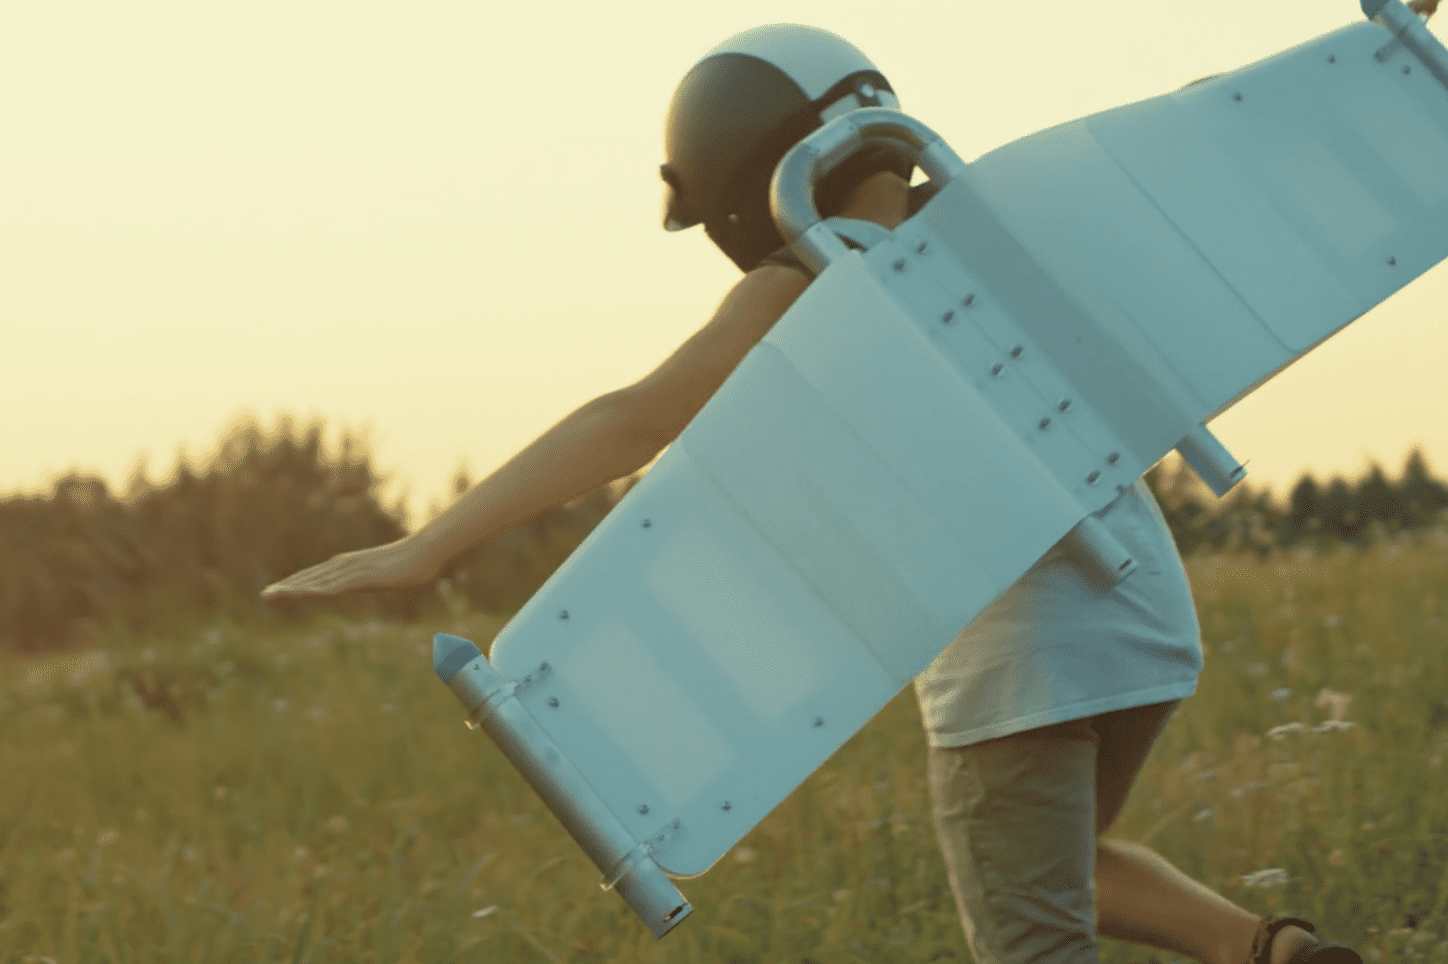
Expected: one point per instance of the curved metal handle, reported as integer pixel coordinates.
(791, 192)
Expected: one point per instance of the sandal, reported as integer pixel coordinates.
(1321, 952)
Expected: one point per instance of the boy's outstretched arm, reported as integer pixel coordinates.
(606, 439)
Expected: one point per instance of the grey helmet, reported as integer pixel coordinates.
(741, 108)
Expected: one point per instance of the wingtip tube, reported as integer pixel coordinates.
(450, 654)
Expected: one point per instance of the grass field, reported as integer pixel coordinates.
(316, 797)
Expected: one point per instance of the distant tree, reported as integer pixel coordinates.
(1304, 510)
(1378, 499)
(1423, 496)
(1339, 511)
(1183, 499)
(1246, 520)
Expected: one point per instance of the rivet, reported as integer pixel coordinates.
(727, 806)
(1093, 478)
(1392, 260)
(997, 368)
(1065, 404)
(643, 808)
(969, 299)
(1111, 459)
(899, 264)
(553, 702)
(1331, 58)
(819, 721)
(1237, 96)
(1016, 351)
(922, 247)
(945, 318)
(545, 668)
(1407, 70)
(647, 523)
(563, 614)
(1044, 423)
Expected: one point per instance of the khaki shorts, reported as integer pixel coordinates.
(1018, 818)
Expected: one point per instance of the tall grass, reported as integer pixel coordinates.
(312, 795)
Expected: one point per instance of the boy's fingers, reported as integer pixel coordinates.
(335, 575)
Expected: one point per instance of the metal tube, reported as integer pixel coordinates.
(1211, 461)
(1094, 549)
(626, 863)
(1408, 29)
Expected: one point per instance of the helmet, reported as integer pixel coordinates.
(741, 108)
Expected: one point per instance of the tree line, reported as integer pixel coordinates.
(83, 565)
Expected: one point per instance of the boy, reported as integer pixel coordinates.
(1041, 713)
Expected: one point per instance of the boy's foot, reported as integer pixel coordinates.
(1288, 941)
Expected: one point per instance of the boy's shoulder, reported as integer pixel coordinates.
(919, 195)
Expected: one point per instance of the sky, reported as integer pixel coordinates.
(437, 224)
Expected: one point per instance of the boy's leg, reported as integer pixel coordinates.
(1140, 897)
(1016, 821)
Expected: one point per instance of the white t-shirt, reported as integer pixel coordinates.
(1054, 647)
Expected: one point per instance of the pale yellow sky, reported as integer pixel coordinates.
(439, 222)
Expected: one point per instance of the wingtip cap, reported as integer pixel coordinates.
(450, 654)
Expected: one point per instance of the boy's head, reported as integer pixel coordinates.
(741, 108)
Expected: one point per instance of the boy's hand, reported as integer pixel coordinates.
(394, 565)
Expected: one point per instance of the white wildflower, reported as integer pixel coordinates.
(1271, 877)
(1280, 732)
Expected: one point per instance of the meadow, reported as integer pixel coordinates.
(313, 795)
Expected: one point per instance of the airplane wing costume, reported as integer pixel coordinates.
(938, 411)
